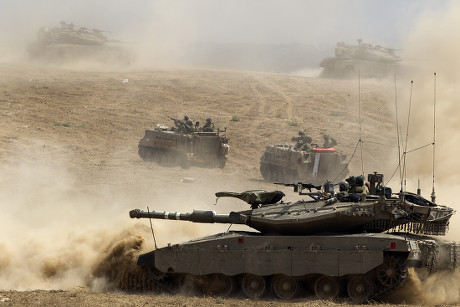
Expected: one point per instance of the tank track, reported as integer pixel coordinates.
(164, 282)
(278, 173)
(383, 280)
(172, 158)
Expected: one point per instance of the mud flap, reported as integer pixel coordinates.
(316, 164)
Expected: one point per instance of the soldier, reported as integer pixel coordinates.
(306, 147)
(357, 188)
(209, 126)
(328, 141)
(188, 121)
(343, 191)
(188, 124)
(302, 141)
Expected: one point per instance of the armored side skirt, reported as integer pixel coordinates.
(240, 253)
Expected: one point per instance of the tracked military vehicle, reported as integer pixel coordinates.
(352, 244)
(283, 162)
(364, 59)
(168, 145)
(69, 43)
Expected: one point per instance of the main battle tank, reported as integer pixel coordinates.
(286, 163)
(68, 43)
(364, 59)
(357, 245)
(171, 146)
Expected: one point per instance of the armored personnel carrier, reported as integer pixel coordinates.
(68, 43)
(365, 59)
(172, 146)
(352, 244)
(283, 162)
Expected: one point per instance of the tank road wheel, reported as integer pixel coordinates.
(359, 289)
(285, 287)
(253, 286)
(391, 272)
(326, 287)
(220, 284)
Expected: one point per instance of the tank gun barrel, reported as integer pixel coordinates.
(197, 216)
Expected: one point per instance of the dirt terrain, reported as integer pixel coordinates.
(71, 172)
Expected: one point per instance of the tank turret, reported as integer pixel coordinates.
(354, 239)
(325, 213)
(68, 43)
(370, 61)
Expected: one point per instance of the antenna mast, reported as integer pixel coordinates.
(398, 137)
(407, 135)
(433, 194)
(360, 135)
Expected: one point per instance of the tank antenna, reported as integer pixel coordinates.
(151, 227)
(407, 136)
(433, 194)
(398, 137)
(360, 134)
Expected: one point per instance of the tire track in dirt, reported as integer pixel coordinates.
(275, 90)
(260, 97)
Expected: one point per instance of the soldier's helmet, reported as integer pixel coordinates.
(360, 180)
(208, 120)
(325, 136)
(301, 132)
(344, 186)
(186, 117)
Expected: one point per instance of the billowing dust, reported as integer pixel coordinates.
(58, 235)
(55, 236)
(439, 288)
(431, 48)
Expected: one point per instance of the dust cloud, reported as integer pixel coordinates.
(438, 289)
(57, 236)
(49, 240)
(433, 48)
(260, 35)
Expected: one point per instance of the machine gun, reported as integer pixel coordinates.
(177, 122)
(298, 187)
(182, 125)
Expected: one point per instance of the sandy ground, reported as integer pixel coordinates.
(71, 172)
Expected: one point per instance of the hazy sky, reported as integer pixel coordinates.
(315, 22)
